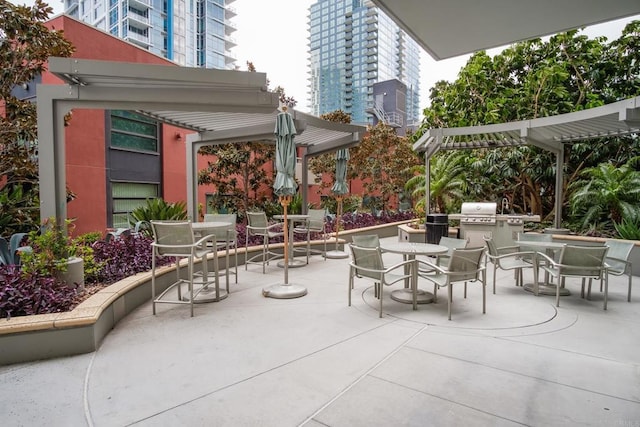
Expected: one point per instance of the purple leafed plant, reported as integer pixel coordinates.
(124, 257)
(27, 294)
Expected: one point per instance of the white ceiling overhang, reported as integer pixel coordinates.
(448, 28)
(616, 119)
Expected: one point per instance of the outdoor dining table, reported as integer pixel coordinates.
(292, 219)
(202, 229)
(547, 248)
(409, 250)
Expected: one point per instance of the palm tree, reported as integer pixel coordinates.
(447, 180)
(606, 193)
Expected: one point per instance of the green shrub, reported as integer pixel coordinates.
(158, 209)
(628, 229)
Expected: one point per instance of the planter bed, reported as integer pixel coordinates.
(81, 330)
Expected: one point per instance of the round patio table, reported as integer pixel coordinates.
(292, 219)
(409, 250)
(209, 294)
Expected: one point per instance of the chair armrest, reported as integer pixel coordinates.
(505, 250)
(203, 240)
(624, 261)
(511, 255)
(384, 271)
(430, 266)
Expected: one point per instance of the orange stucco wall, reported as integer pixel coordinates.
(85, 135)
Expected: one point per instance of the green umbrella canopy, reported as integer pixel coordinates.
(285, 131)
(340, 186)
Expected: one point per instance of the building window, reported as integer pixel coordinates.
(133, 131)
(127, 196)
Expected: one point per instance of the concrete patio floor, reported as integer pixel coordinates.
(314, 361)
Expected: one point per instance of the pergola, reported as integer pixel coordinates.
(221, 106)
(550, 133)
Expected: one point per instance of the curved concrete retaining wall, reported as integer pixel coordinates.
(44, 336)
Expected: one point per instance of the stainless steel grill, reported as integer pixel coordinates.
(478, 213)
(480, 219)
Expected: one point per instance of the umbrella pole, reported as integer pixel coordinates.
(337, 253)
(338, 217)
(285, 201)
(286, 289)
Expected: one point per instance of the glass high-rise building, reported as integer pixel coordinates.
(193, 33)
(353, 46)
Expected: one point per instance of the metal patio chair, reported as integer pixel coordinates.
(584, 262)
(509, 258)
(258, 225)
(176, 239)
(366, 262)
(617, 261)
(314, 224)
(465, 266)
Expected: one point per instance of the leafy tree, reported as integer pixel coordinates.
(25, 46)
(238, 170)
(448, 181)
(324, 165)
(606, 194)
(531, 79)
(383, 160)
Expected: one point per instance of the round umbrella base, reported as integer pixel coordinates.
(406, 296)
(336, 254)
(207, 295)
(549, 289)
(293, 263)
(284, 291)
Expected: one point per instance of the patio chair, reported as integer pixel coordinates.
(617, 261)
(508, 258)
(314, 224)
(227, 239)
(585, 262)
(258, 225)
(443, 259)
(465, 265)
(176, 239)
(451, 243)
(366, 240)
(366, 262)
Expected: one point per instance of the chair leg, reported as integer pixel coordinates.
(449, 300)
(494, 278)
(629, 291)
(351, 273)
(191, 283)
(484, 292)
(153, 282)
(235, 250)
(606, 291)
(380, 292)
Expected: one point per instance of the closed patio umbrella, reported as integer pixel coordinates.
(340, 188)
(285, 186)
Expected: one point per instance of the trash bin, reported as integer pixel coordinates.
(437, 225)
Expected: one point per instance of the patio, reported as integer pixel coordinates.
(250, 360)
